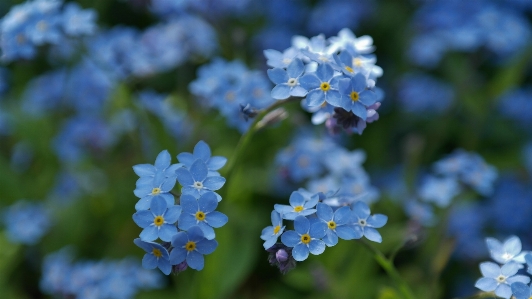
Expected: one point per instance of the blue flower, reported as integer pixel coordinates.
(321, 87)
(147, 172)
(521, 290)
(270, 234)
(201, 213)
(196, 180)
(298, 206)
(364, 224)
(25, 222)
(439, 190)
(305, 238)
(277, 59)
(355, 96)
(337, 223)
(158, 186)
(499, 279)
(506, 252)
(202, 151)
(159, 221)
(287, 81)
(77, 21)
(191, 246)
(156, 256)
(423, 94)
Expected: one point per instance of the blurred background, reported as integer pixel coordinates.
(90, 88)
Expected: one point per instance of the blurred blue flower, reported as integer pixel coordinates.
(424, 94)
(509, 251)
(201, 212)
(306, 238)
(190, 246)
(26, 222)
(440, 190)
(156, 256)
(516, 104)
(77, 21)
(159, 221)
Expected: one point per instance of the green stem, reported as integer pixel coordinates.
(245, 139)
(388, 266)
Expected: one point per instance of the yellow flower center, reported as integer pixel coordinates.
(157, 252)
(298, 209)
(357, 62)
(20, 38)
(42, 25)
(276, 229)
(155, 191)
(354, 96)
(349, 69)
(292, 82)
(305, 239)
(190, 246)
(200, 216)
(325, 86)
(331, 224)
(230, 96)
(158, 221)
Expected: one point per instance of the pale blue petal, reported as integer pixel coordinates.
(315, 98)
(283, 209)
(144, 170)
(276, 218)
(195, 260)
(168, 184)
(270, 242)
(198, 170)
(158, 205)
(149, 234)
(367, 97)
(342, 215)
(184, 177)
(189, 204)
(518, 278)
(296, 199)
(146, 246)
(324, 212)
(377, 220)
(208, 231)
(178, 255)
(186, 158)
(372, 234)
(298, 91)
(344, 86)
(324, 72)
(214, 182)
(361, 210)
(295, 68)
(202, 151)
(164, 266)
(490, 269)
(172, 214)
(504, 291)
(186, 221)
(486, 284)
(216, 219)
(195, 234)
(163, 160)
(169, 198)
(290, 238)
(512, 245)
(143, 218)
(301, 225)
(149, 261)
(206, 246)
(318, 230)
(167, 231)
(520, 290)
(266, 233)
(216, 162)
(179, 240)
(334, 98)
(281, 92)
(316, 247)
(277, 75)
(330, 238)
(509, 269)
(208, 202)
(300, 252)
(359, 110)
(358, 82)
(309, 81)
(346, 233)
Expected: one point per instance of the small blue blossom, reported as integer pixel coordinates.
(201, 212)
(355, 95)
(287, 81)
(156, 256)
(298, 206)
(508, 251)
(26, 222)
(521, 290)
(160, 185)
(337, 223)
(499, 279)
(159, 221)
(196, 180)
(306, 238)
(423, 94)
(364, 224)
(439, 190)
(321, 87)
(271, 233)
(190, 246)
(277, 59)
(203, 151)
(147, 172)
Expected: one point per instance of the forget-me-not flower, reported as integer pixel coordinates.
(191, 246)
(521, 290)
(355, 96)
(298, 206)
(287, 81)
(203, 151)
(508, 251)
(306, 238)
(196, 180)
(160, 185)
(336, 223)
(158, 222)
(321, 87)
(201, 212)
(271, 233)
(364, 224)
(499, 279)
(156, 256)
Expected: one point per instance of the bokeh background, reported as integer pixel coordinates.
(80, 108)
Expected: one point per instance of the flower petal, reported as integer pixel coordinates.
(195, 260)
(300, 252)
(216, 219)
(301, 225)
(214, 183)
(206, 246)
(290, 238)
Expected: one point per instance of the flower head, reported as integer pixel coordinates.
(364, 224)
(190, 246)
(158, 222)
(156, 256)
(271, 233)
(306, 238)
(201, 212)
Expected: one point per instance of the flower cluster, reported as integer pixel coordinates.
(234, 90)
(26, 222)
(502, 277)
(63, 278)
(325, 165)
(35, 23)
(335, 76)
(186, 229)
(317, 225)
